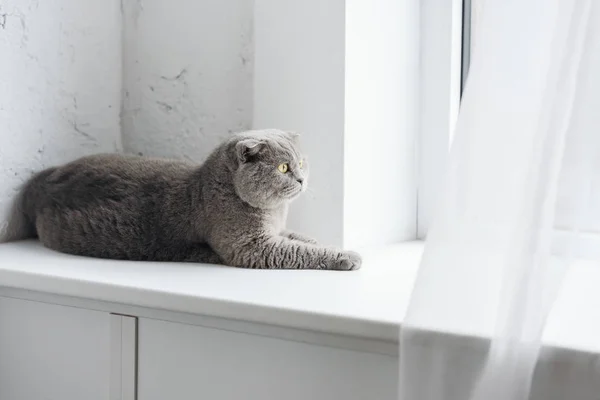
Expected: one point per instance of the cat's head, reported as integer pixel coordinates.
(269, 168)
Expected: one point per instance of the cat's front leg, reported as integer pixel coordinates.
(282, 253)
(298, 236)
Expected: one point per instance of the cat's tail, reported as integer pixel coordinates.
(22, 213)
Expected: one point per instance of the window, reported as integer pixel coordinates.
(445, 57)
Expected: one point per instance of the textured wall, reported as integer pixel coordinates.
(187, 75)
(150, 76)
(60, 85)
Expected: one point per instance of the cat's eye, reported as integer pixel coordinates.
(301, 163)
(283, 168)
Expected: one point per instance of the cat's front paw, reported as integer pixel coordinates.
(348, 261)
(308, 240)
(302, 238)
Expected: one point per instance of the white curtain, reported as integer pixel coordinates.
(521, 201)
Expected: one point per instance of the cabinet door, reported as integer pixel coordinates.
(181, 362)
(51, 352)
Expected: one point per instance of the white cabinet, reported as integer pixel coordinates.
(53, 352)
(64, 348)
(180, 362)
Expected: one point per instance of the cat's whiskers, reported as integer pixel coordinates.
(310, 192)
(291, 192)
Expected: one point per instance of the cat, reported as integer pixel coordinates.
(229, 210)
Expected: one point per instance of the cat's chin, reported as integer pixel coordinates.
(291, 194)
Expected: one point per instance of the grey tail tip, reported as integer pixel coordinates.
(16, 228)
(18, 225)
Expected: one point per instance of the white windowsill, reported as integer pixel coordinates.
(368, 303)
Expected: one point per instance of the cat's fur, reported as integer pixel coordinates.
(230, 210)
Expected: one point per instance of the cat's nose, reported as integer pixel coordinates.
(300, 180)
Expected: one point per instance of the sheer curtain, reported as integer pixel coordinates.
(521, 201)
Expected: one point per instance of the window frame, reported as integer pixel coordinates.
(445, 32)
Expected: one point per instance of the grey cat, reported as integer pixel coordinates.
(230, 210)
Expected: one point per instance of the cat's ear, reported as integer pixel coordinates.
(295, 136)
(247, 149)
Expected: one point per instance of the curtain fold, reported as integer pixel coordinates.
(521, 201)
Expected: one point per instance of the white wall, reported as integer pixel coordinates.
(344, 73)
(187, 75)
(299, 85)
(381, 121)
(60, 68)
